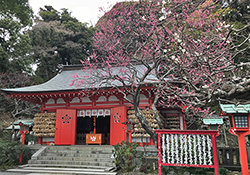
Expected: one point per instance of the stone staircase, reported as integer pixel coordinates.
(76, 159)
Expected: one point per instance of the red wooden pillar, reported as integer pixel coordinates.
(216, 161)
(21, 153)
(24, 129)
(21, 157)
(151, 142)
(243, 153)
(94, 124)
(40, 140)
(159, 154)
(23, 138)
(129, 136)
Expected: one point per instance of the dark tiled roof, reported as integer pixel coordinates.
(92, 79)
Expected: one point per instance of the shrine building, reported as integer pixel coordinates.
(71, 116)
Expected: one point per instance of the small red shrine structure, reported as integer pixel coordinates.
(95, 117)
(24, 129)
(239, 123)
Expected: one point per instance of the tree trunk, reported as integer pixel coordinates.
(142, 119)
(157, 117)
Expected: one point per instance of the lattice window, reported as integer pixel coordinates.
(241, 121)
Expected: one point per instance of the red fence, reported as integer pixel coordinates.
(187, 148)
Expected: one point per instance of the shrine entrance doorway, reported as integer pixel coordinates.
(103, 126)
(85, 126)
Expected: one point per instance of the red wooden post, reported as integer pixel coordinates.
(151, 142)
(23, 138)
(243, 154)
(40, 140)
(24, 129)
(216, 161)
(94, 124)
(159, 154)
(21, 157)
(129, 136)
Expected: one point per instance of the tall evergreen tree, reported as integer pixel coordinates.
(15, 17)
(58, 39)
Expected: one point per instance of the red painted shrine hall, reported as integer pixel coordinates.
(69, 116)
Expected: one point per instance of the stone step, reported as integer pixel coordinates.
(79, 158)
(70, 162)
(105, 168)
(78, 155)
(82, 147)
(65, 171)
(78, 151)
(83, 159)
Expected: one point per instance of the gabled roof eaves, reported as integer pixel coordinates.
(63, 81)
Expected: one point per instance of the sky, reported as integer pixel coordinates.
(83, 10)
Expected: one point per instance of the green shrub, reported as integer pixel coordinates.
(127, 158)
(148, 168)
(223, 171)
(9, 153)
